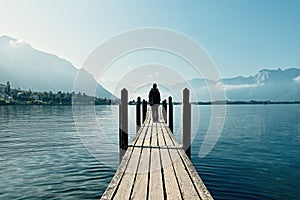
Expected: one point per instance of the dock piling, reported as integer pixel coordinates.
(138, 114)
(123, 124)
(170, 114)
(186, 122)
(144, 109)
(164, 110)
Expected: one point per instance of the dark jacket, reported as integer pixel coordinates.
(154, 96)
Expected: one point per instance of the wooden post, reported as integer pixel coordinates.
(144, 110)
(164, 110)
(170, 114)
(186, 123)
(123, 124)
(138, 114)
(120, 133)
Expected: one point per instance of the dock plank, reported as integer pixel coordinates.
(127, 181)
(156, 189)
(196, 180)
(141, 183)
(188, 190)
(113, 186)
(171, 185)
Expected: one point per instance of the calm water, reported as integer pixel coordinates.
(44, 155)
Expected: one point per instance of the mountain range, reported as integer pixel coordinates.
(274, 85)
(28, 68)
(266, 85)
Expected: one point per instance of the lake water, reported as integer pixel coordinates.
(43, 154)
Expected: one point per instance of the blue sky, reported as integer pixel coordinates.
(241, 36)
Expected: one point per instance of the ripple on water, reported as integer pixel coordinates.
(43, 157)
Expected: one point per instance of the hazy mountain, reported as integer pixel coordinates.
(275, 85)
(266, 85)
(29, 68)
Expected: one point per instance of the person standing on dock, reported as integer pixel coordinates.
(154, 101)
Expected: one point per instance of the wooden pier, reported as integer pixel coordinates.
(154, 165)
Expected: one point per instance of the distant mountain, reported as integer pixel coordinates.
(267, 84)
(266, 76)
(29, 68)
(274, 85)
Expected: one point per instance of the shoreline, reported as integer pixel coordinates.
(174, 103)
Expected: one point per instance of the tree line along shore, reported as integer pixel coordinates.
(9, 96)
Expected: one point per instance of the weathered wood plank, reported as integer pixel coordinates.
(170, 181)
(187, 188)
(156, 187)
(113, 186)
(127, 181)
(140, 187)
(196, 180)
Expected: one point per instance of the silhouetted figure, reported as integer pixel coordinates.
(154, 101)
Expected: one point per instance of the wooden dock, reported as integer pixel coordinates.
(155, 166)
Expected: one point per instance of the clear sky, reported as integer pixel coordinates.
(241, 36)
